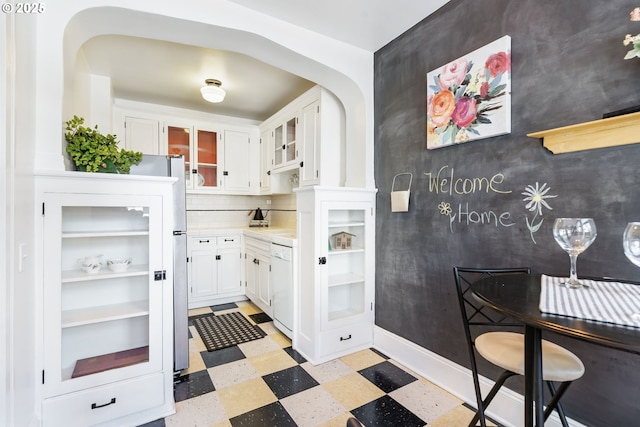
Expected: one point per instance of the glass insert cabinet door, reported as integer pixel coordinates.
(207, 146)
(346, 294)
(103, 278)
(179, 143)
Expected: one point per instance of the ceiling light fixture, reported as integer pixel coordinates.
(212, 92)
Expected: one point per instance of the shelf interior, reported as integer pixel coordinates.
(345, 279)
(105, 362)
(106, 313)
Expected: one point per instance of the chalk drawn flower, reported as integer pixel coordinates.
(535, 198)
(445, 208)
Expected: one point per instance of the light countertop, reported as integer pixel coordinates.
(281, 236)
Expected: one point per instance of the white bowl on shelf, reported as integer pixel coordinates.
(118, 265)
(91, 267)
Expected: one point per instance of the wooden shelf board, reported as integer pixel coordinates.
(614, 131)
(105, 362)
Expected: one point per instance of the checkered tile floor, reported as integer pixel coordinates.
(265, 383)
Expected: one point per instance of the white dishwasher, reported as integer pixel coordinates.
(282, 282)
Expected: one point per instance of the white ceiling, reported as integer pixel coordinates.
(171, 74)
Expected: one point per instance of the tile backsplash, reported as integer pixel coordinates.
(208, 211)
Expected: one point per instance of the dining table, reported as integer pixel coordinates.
(518, 296)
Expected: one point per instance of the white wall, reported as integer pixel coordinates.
(345, 70)
(18, 146)
(6, 83)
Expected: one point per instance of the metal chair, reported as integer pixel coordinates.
(505, 349)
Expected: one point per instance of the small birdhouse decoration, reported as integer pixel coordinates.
(342, 240)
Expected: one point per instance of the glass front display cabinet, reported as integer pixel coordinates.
(103, 287)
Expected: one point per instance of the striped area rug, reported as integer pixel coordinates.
(226, 330)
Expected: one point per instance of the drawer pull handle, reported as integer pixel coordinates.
(96, 406)
(344, 339)
(204, 241)
(228, 240)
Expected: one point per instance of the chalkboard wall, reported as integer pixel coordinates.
(567, 68)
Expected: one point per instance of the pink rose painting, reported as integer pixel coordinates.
(470, 98)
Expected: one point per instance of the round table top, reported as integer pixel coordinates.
(518, 295)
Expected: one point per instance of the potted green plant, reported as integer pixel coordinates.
(92, 151)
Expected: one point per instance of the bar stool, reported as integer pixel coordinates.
(505, 349)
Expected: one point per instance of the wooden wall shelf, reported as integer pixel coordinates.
(610, 132)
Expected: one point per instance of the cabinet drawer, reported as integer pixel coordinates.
(101, 404)
(204, 242)
(228, 241)
(342, 339)
(258, 246)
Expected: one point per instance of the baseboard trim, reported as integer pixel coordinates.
(508, 406)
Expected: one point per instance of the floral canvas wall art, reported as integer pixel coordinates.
(470, 98)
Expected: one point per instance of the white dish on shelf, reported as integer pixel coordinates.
(91, 268)
(118, 265)
(91, 264)
(200, 180)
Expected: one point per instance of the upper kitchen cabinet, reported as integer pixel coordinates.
(285, 153)
(220, 157)
(216, 161)
(304, 143)
(145, 134)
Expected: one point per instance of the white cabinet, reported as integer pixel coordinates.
(236, 174)
(305, 138)
(258, 272)
(104, 332)
(285, 135)
(221, 156)
(310, 164)
(141, 134)
(265, 162)
(215, 269)
(215, 161)
(322, 143)
(336, 275)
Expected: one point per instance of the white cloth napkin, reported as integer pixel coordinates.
(613, 302)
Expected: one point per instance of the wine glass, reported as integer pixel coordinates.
(574, 235)
(631, 246)
(631, 242)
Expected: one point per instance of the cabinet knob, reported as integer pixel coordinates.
(218, 257)
(301, 164)
(322, 260)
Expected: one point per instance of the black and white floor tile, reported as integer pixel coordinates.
(265, 383)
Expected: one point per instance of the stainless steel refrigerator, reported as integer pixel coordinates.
(174, 166)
